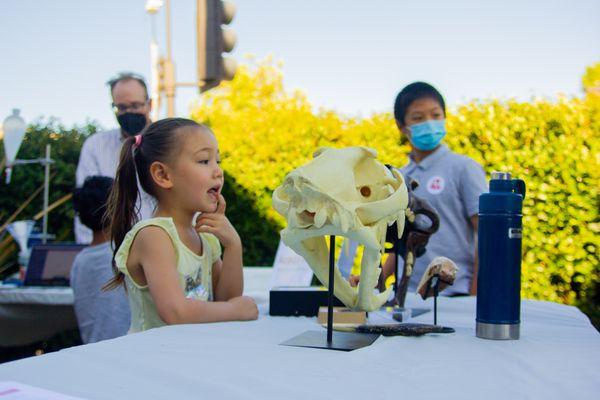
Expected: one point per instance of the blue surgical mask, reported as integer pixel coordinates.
(428, 135)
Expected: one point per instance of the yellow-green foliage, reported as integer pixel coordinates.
(591, 78)
(554, 147)
(265, 131)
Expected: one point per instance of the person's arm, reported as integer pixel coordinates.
(228, 274)
(156, 254)
(472, 184)
(475, 223)
(389, 266)
(87, 164)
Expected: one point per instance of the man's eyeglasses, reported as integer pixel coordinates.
(133, 107)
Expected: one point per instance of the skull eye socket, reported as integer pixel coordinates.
(365, 191)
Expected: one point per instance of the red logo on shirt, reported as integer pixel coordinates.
(435, 185)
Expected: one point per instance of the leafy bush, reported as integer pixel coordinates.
(66, 145)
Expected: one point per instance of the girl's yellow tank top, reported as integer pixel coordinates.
(195, 273)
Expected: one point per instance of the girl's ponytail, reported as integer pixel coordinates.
(122, 208)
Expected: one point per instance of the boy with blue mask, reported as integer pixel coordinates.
(451, 183)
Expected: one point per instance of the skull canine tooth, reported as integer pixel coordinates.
(320, 217)
(327, 185)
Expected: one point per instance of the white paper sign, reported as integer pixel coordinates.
(19, 391)
(289, 268)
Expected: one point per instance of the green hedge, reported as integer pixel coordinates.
(66, 145)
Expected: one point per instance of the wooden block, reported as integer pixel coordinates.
(343, 315)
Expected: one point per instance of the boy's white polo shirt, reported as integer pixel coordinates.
(451, 183)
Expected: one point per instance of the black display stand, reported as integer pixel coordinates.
(435, 280)
(398, 310)
(344, 341)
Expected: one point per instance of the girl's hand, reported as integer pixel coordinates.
(218, 224)
(245, 308)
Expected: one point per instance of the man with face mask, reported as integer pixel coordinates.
(100, 153)
(451, 183)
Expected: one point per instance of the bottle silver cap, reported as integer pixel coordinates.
(501, 175)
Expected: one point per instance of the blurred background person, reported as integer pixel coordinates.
(100, 315)
(100, 152)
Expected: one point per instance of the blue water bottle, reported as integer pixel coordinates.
(499, 277)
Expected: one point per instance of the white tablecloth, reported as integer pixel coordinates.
(50, 296)
(557, 357)
(32, 314)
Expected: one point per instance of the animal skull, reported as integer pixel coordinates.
(343, 192)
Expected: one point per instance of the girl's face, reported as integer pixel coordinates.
(197, 174)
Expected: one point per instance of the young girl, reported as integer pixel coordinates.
(173, 269)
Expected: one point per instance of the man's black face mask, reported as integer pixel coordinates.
(132, 123)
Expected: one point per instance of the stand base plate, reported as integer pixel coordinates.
(404, 314)
(342, 341)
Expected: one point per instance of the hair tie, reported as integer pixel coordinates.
(138, 140)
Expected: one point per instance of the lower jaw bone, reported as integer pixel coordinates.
(316, 253)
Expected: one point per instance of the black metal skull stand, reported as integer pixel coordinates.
(344, 341)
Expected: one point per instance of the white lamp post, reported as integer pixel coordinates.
(152, 7)
(14, 130)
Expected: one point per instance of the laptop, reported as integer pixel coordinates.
(50, 264)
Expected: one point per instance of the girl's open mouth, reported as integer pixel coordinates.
(214, 192)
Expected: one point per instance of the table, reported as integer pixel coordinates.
(31, 314)
(557, 357)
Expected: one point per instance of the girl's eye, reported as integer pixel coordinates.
(219, 161)
(205, 162)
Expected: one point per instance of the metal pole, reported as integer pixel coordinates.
(436, 291)
(46, 194)
(169, 68)
(331, 287)
(168, 16)
(397, 266)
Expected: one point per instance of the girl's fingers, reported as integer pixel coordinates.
(215, 223)
(206, 218)
(206, 229)
(221, 205)
(207, 225)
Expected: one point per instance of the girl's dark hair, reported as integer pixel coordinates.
(89, 201)
(158, 142)
(412, 92)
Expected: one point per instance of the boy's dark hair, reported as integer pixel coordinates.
(412, 92)
(159, 141)
(89, 201)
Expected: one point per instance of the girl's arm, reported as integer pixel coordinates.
(156, 254)
(228, 277)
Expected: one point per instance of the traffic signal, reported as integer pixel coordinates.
(213, 41)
